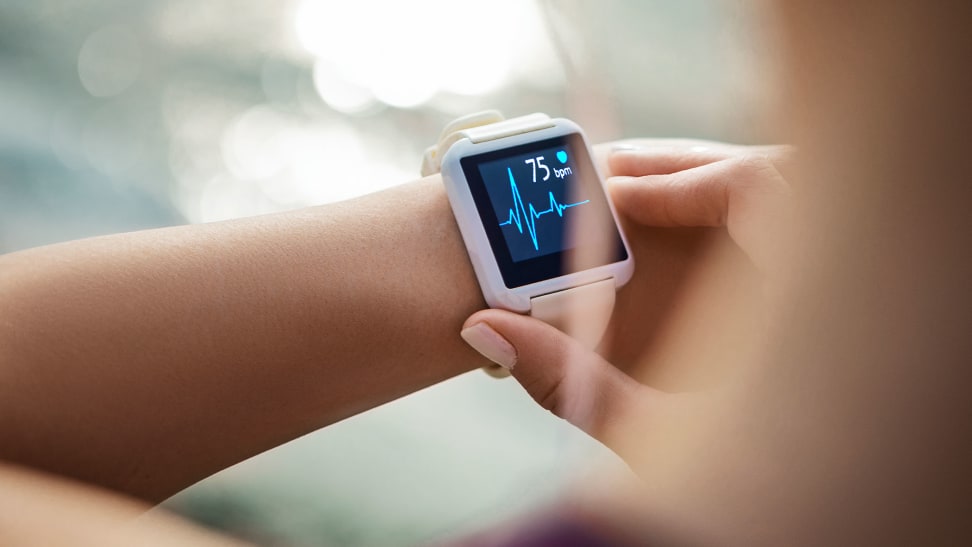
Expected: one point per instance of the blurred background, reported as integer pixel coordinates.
(123, 115)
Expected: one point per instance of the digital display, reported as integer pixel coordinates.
(543, 209)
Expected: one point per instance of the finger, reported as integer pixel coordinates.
(746, 194)
(702, 196)
(664, 159)
(570, 381)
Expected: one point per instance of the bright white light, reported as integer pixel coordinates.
(406, 52)
(327, 163)
(479, 43)
(253, 145)
(276, 161)
(333, 163)
(339, 93)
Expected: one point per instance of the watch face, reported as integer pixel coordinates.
(543, 209)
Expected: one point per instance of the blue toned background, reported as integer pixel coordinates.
(119, 115)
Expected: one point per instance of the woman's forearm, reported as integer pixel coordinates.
(146, 361)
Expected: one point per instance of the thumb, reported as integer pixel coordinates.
(563, 376)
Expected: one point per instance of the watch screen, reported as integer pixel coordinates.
(543, 209)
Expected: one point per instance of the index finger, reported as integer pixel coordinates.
(666, 159)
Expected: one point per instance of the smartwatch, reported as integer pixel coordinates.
(542, 236)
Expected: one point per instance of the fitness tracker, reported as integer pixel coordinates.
(541, 233)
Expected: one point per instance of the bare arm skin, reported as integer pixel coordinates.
(144, 362)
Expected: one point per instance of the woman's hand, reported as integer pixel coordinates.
(659, 184)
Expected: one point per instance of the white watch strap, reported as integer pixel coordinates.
(582, 312)
(479, 127)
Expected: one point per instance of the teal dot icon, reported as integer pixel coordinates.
(562, 156)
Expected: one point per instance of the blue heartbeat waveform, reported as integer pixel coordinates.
(521, 215)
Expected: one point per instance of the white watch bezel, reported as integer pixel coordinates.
(474, 235)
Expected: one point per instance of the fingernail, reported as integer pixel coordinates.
(624, 147)
(490, 344)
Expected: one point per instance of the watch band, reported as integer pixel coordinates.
(482, 126)
(583, 312)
